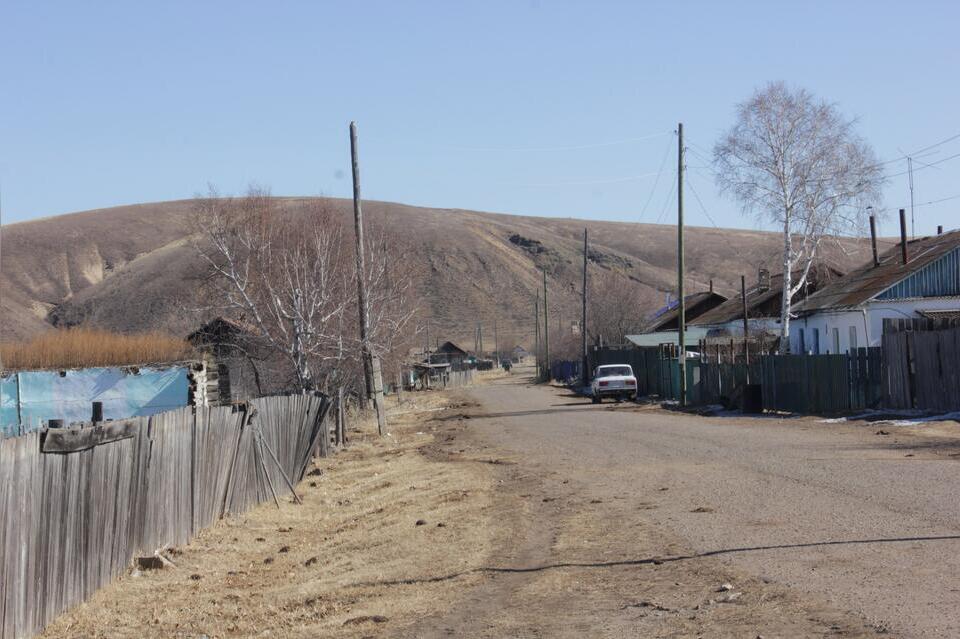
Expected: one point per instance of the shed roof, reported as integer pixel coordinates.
(669, 314)
(868, 281)
(732, 309)
(692, 336)
(450, 348)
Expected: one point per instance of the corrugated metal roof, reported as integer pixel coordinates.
(669, 314)
(732, 309)
(869, 281)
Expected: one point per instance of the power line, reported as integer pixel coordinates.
(943, 199)
(700, 202)
(663, 163)
(925, 166)
(669, 199)
(576, 147)
(628, 178)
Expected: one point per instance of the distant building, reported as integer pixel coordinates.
(850, 312)
(238, 356)
(449, 353)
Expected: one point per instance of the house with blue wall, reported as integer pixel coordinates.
(916, 279)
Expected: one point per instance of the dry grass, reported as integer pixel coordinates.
(82, 347)
(323, 568)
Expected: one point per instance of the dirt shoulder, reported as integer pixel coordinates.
(378, 512)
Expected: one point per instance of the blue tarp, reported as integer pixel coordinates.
(46, 395)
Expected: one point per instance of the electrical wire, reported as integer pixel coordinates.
(925, 166)
(669, 198)
(700, 202)
(628, 178)
(663, 163)
(577, 147)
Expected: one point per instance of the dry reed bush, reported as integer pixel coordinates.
(83, 347)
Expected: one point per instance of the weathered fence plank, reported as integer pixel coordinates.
(70, 522)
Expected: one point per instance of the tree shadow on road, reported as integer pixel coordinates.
(652, 560)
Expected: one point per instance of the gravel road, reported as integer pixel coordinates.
(867, 522)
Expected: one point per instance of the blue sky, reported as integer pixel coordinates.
(529, 107)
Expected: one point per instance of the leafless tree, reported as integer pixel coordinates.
(797, 162)
(287, 271)
(279, 271)
(617, 308)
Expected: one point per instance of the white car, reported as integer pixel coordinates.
(613, 380)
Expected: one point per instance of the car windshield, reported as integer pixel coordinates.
(610, 371)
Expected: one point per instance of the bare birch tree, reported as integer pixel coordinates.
(797, 162)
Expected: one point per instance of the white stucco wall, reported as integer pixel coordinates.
(868, 325)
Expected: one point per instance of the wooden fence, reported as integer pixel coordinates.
(922, 369)
(790, 383)
(73, 520)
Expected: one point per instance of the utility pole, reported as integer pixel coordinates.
(746, 325)
(681, 315)
(480, 338)
(583, 317)
(536, 331)
(496, 343)
(913, 221)
(546, 331)
(361, 268)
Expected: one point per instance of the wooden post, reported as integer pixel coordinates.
(681, 315)
(341, 436)
(746, 325)
(583, 318)
(536, 333)
(361, 268)
(546, 331)
(378, 396)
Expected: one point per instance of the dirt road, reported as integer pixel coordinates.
(626, 519)
(510, 510)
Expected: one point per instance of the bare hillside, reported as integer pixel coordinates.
(134, 268)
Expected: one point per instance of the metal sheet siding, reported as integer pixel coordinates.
(45, 395)
(939, 279)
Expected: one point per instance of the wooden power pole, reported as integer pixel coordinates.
(536, 332)
(746, 325)
(546, 331)
(361, 267)
(681, 315)
(584, 375)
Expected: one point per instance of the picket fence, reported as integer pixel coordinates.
(71, 522)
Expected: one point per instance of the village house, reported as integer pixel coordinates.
(449, 353)
(915, 279)
(764, 299)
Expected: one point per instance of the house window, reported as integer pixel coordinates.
(802, 343)
(836, 340)
(815, 346)
(853, 338)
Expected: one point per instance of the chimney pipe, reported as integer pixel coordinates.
(940, 230)
(873, 239)
(903, 236)
(711, 281)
